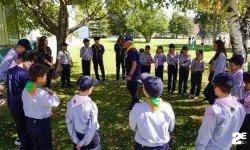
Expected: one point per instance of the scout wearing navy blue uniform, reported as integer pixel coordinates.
(37, 105)
(98, 51)
(66, 63)
(185, 62)
(221, 119)
(81, 117)
(132, 64)
(153, 120)
(172, 60)
(197, 69)
(146, 60)
(86, 54)
(160, 59)
(120, 54)
(17, 79)
(243, 96)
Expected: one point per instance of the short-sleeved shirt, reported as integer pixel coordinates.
(132, 55)
(98, 51)
(64, 57)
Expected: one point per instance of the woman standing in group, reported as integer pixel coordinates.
(46, 58)
(217, 65)
(120, 54)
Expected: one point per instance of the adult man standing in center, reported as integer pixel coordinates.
(132, 59)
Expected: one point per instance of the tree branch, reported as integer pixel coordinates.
(44, 20)
(87, 19)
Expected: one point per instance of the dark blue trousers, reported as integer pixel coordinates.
(133, 90)
(94, 144)
(140, 147)
(100, 63)
(40, 133)
(159, 72)
(21, 125)
(245, 128)
(172, 76)
(65, 75)
(86, 67)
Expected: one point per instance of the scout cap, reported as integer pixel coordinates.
(85, 83)
(238, 59)
(128, 39)
(224, 80)
(25, 43)
(64, 44)
(153, 85)
(199, 51)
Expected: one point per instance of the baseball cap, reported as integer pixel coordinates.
(153, 85)
(96, 38)
(185, 47)
(25, 43)
(237, 58)
(85, 83)
(199, 51)
(64, 44)
(85, 40)
(224, 80)
(171, 46)
(128, 38)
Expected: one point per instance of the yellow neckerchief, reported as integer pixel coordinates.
(130, 47)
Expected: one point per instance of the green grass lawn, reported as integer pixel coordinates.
(112, 100)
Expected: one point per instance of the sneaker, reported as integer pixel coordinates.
(191, 96)
(183, 94)
(196, 97)
(17, 142)
(124, 81)
(105, 82)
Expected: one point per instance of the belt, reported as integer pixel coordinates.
(150, 147)
(173, 64)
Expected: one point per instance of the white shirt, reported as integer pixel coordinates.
(39, 105)
(152, 128)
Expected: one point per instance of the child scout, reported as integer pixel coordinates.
(243, 96)
(221, 119)
(153, 120)
(235, 64)
(37, 105)
(81, 117)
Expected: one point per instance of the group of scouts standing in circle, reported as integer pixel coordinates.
(151, 119)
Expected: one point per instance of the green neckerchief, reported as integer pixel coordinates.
(153, 102)
(31, 87)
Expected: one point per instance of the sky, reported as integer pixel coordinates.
(170, 10)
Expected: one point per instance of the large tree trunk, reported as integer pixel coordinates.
(147, 38)
(245, 24)
(235, 28)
